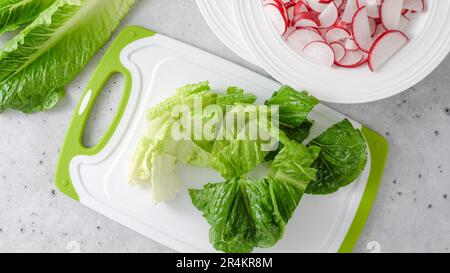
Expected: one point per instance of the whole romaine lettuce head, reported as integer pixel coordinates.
(37, 64)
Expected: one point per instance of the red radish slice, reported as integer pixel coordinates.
(385, 46)
(276, 16)
(350, 9)
(303, 36)
(373, 26)
(352, 59)
(306, 19)
(414, 5)
(350, 45)
(372, 7)
(361, 30)
(300, 7)
(339, 51)
(290, 12)
(390, 13)
(329, 16)
(321, 52)
(409, 14)
(336, 34)
(316, 5)
(378, 31)
(403, 22)
(339, 3)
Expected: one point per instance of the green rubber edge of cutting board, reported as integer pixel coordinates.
(111, 64)
(379, 149)
(73, 145)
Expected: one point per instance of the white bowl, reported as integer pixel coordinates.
(429, 45)
(219, 15)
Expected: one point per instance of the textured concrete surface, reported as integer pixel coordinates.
(411, 212)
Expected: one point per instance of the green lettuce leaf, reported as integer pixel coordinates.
(235, 96)
(164, 181)
(155, 158)
(244, 214)
(237, 158)
(158, 153)
(185, 96)
(298, 134)
(18, 13)
(239, 153)
(294, 106)
(293, 164)
(342, 159)
(37, 64)
(140, 166)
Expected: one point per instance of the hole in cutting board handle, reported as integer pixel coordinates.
(104, 110)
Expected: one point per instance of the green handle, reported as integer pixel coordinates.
(73, 145)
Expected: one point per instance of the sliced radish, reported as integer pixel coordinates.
(373, 26)
(350, 9)
(329, 16)
(362, 34)
(403, 22)
(372, 7)
(276, 16)
(390, 13)
(336, 34)
(378, 31)
(348, 33)
(301, 37)
(316, 5)
(385, 46)
(300, 7)
(339, 51)
(339, 3)
(290, 12)
(352, 59)
(350, 44)
(306, 19)
(321, 52)
(414, 5)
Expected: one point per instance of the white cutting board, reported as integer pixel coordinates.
(156, 66)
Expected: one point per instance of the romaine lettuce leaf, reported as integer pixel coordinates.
(158, 153)
(240, 152)
(342, 159)
(294, 106)
(139, 168)
(185, 96)
(293, 164)
(244, 214)
(37, 64)
(159, 145)
(164, 181)
(298, 134)
(237, 158)
(235, 96)
(18, 13)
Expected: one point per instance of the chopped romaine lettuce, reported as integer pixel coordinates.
(342, 159)
(294, 106)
